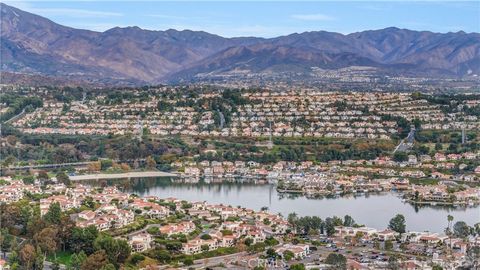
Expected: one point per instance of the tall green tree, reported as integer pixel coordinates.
(400, 156)
(77, 260)
(81, 239)
(448, 230)
(95, 261)
(27, 256)
(117, 250)
(397, 224)
(337, 260)
(461, 229)
(348, 221)
(62, 177)
(329, 226)
(39, 259)
(54, 213)
(47, 239)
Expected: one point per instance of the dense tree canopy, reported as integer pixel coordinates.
(397, 223)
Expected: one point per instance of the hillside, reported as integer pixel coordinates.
(32, 44)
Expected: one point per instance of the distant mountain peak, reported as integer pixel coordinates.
(32, 44)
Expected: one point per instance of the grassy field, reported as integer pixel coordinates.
(63, 257)
(423, 181)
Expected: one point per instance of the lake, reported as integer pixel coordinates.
(374, 210)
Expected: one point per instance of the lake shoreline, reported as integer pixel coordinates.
(373, 210)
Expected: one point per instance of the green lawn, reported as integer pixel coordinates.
(63, 257)
(427, 181)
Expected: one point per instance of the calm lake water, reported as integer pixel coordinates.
(374, 210)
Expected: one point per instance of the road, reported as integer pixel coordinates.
(400, 147)
(140, 231)
(15, 117)
(222, 119)
(226, 260)
(405, 146)
(49, 166)
(146, 174)
(62, 165)
(232, 261)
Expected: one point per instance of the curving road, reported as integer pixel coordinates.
(222, 119)
(15, 117)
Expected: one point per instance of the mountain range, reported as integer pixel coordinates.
(31, 44)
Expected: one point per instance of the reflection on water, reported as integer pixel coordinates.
(374, 210)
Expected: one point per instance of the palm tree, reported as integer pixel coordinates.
(449, 231)
(450, 219)
(292, 218)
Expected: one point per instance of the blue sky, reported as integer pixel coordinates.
(264, 19)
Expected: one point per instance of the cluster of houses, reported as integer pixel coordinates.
(250, 169)
(245, 223)
(14, 190)
(70, 198)
(114, 209)
(431, 115)
(270, 113)
(299, 251)
(414, 243)
(184, 227)
(441, 194)
(347, 176)
(215, 241)
(105, 217)
(413, 167)
(251, 225)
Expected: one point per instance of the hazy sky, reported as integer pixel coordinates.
(265, 19)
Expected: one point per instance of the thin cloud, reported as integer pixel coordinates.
(313, 17)
(29, 6)
(77, 13)
(163, 16)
